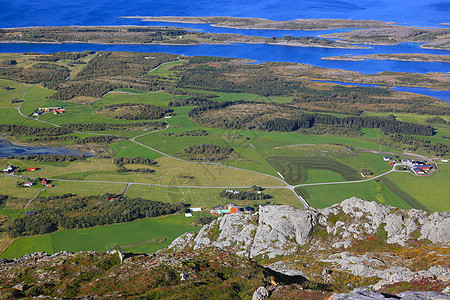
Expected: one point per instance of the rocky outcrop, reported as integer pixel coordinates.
(367, 266)
(369, 294)
(274, 230)
(281, 229)
(367, 218)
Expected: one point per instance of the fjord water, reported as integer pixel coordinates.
(106, 12)
(8, 149)
(82, 12)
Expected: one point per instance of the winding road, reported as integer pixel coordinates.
(128, 184)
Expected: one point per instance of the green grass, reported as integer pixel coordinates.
(371, 133)
(36, 97)
(146, 235)
(206, 198)
(16, 91)
(322, 196)
(130, 149)
(11, 213)
(431, 191)
(83, 189)
(298, 170)
(10, 116)
(164, 70)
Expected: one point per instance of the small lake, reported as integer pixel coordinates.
(7, 149)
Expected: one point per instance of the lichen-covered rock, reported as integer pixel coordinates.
(369, 294)
(367, 266)
(280, 226)
(260, 294)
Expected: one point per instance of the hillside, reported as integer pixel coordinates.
(281, 253)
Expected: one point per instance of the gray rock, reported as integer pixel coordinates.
(369, 294)
(260, 294)
(281, 267)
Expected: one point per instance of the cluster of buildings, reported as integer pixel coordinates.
(418, 167)
(55, 110)
(230, 209)
(11, 169)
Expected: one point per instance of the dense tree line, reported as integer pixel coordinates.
(256, 80)
(306, 40)
(100, 139)
(133, 111)
(416, 144)
(113, 126)
(111, 64)
(437, 120)
(37, 73)
(61, 55)
(191, 101)
(243, 195)
(3, 198)
(388, 125)
(120, 161)
(207, 152)
(83, 212)
(137, 170)
(194, 132)
(88, 89)
(49, 157)
(23, 130)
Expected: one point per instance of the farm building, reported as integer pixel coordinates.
(418, 171)
(424, 167)
(386, 158)
(195, 209)
(230, 209)
(27, 184)
(9, 169)
(188, 215)
(32, 169)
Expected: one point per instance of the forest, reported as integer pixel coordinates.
(133, 111)
(244, 195)
(208, 116)
(208, 152)
(82, 212)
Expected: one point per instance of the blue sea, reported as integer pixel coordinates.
(426, 13)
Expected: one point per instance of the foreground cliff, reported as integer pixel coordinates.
(353, 250)
(350, 244)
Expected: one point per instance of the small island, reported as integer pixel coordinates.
(419, 57)
(147, 35)
(259, 23)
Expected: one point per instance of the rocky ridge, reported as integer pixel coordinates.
(357, 237)
(281, 229)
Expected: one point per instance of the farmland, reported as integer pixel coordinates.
(277, 128)
(146, 235)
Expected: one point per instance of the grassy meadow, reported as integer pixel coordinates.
(140, 236)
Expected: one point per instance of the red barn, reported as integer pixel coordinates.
(32, 169)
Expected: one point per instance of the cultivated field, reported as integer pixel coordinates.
(147, 235)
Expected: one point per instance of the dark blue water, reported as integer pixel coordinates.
(16, 13)
(264, 53)
(8, 149)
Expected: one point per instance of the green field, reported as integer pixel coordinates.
(16, 91)
(322, 196)
(431, 191)
(207, 198)
(12, 213)
(145, 236)
(298, 170)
